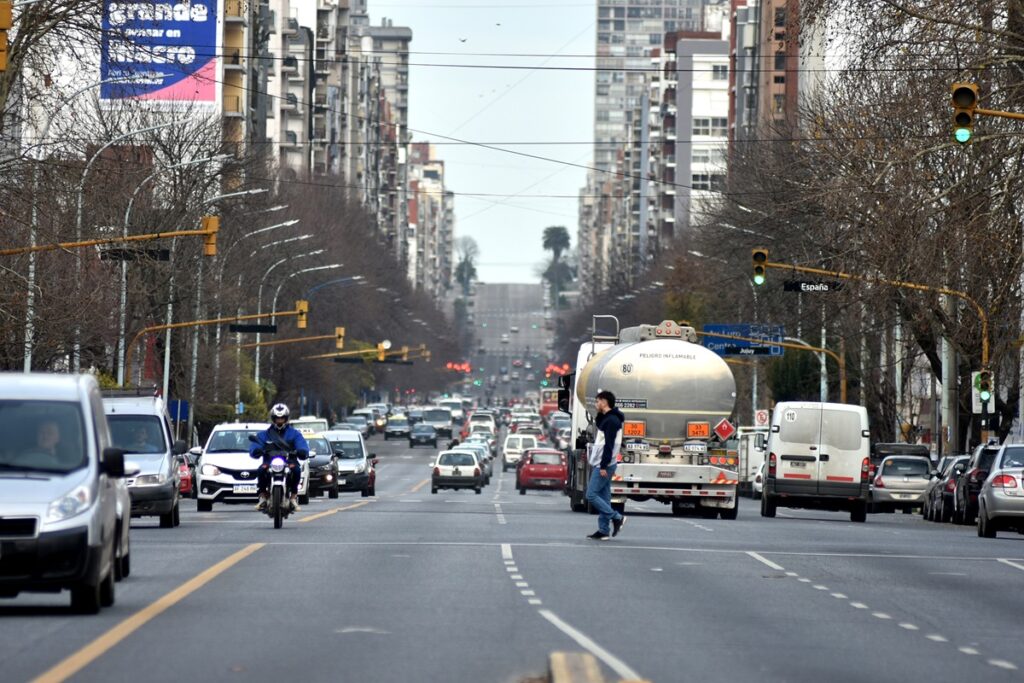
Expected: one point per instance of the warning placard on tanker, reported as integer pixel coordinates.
(698, 430)
(634, 429)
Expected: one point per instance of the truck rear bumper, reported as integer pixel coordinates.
(645, 490)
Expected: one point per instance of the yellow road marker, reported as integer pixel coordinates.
(328, 513)
(418, 486)
(97, 648)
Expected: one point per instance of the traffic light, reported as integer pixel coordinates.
(211, 226)
(6, 21)
(544, 383)
(381, 352)
(302, 306)
(339, 338)
(964, 102)
(759, 260)
(985, 386)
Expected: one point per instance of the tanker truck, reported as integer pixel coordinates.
(673, 393)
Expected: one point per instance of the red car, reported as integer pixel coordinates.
(542, 468)
(185, 488)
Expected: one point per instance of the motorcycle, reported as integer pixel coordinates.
(278, 507)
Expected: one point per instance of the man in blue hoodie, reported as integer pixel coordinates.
(603, 461)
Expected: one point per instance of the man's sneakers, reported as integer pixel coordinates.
(293, 502)
(261, 506)
(617, 525)
(599, 536)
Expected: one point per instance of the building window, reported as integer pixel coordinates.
(720, 126)
(719, 72)
(701, 127)
(779, 103)
(780, 61)
(700, 181)
(780, 17)
(780, 79)
(701, 156)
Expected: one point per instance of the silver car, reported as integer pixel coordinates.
(900, 483)
(1001, 501)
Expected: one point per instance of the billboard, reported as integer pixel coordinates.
(170, 49)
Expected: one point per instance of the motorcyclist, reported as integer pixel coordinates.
(279, 436)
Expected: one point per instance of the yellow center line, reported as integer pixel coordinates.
(418, 486)
(97, 648)
(328, 513)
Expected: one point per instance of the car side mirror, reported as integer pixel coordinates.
(197, 451)
(179, 447)
(131, 469)
(113, 462)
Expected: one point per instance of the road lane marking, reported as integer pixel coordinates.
(1011, 563)
(611, 661)
(858, 605)
(527, 593)
(506, 551)
(522, 584)
(819, 587)
(535, 601)
(328, 513)
(765, 561)
(98, 647)
(1003, 664)
(935, 637)
(968, 650)
(839, 596)
(881, 615)
(499, 514)
(909, 627)
(418, 486)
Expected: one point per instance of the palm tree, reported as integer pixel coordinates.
(556, 240)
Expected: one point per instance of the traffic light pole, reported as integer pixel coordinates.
(999, 113)
(982, 315)
(295, 340)
(208, 233)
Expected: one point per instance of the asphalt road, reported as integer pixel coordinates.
(410, 586)
(502, 307)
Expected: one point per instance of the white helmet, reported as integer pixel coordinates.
(280, 410)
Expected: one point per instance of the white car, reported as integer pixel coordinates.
(512, 450)
(456, 470)
(226, 473)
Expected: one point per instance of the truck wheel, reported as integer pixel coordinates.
(730, 513)
(204, 505)
(859, 512)
(677, 509)
(767, 506)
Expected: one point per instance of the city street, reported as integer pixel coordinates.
(410, 586)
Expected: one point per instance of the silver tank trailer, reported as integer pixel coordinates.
(661, 379)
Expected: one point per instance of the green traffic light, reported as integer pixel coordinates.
(543, 382)
(759, 279)
(985, 396)
(962, 135)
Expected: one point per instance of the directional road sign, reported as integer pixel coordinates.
(737, 347)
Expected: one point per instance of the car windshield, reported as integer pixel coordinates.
(358, 420)
(528, 442)
(1013, 457)
(437, 415)
(50, 436)
(310, 425)
(230, 440)
(457, 460)
(546, 459)
(512, 442)
(318, 445)
(398, 422)
(907, 467)
(422, 429)
(137, 433)
(353, 449)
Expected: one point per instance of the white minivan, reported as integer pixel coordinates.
(819, 456)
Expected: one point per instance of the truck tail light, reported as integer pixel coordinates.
(865, 470)
(1006, 481)
(772, 461)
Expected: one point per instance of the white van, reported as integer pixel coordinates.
(819, 456)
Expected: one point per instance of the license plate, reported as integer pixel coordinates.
(798, 464)
(244, 488)
(636, 447)
(341, 482)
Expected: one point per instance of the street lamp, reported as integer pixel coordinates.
(277, 292)
(30, 310)
(259, 300)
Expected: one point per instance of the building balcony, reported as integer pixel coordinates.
(291, 139)
(324, 34)
(323, 66)
(291, 26)
(289, 64)
(234, 11)
(233, 106)
(234, 61)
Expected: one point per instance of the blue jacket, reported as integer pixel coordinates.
(291, 437)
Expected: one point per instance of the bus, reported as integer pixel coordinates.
(548, 401)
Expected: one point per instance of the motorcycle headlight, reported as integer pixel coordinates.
(277, 465)
(210, 471)
(150, 479)
(75, 502)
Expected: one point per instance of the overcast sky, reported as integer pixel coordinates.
(503, 105)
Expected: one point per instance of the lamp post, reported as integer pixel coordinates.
(277, 292)
(30, 298)
(259, 301)
(76, 348)
(123, 304)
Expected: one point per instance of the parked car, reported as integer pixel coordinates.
(423, 434)
(512, 450)
(1001, 501)
(968, 485)
(140, 426)
(456, 470)
(542, 469)
(323, 467)
(900, 483)
(58, 499)
(881, 451)
(936, 485)
(944, 494)
(398, 427)
(356, 469)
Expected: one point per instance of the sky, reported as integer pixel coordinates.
(503, 105)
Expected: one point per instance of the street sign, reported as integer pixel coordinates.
(724, 429)
(737, 347)
(761, 418)
(812, 286)
(178, 410)
(252, 329)
(240, 408)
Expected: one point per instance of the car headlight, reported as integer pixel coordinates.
(360, 468)
(75, 502)
(150, 479)
(210, 471)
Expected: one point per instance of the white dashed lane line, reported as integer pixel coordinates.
(883, 616)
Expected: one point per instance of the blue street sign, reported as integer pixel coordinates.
(240, 408)
(738, 347)
(178, 410)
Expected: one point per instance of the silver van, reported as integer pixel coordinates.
(819, 457)
(59, 525)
